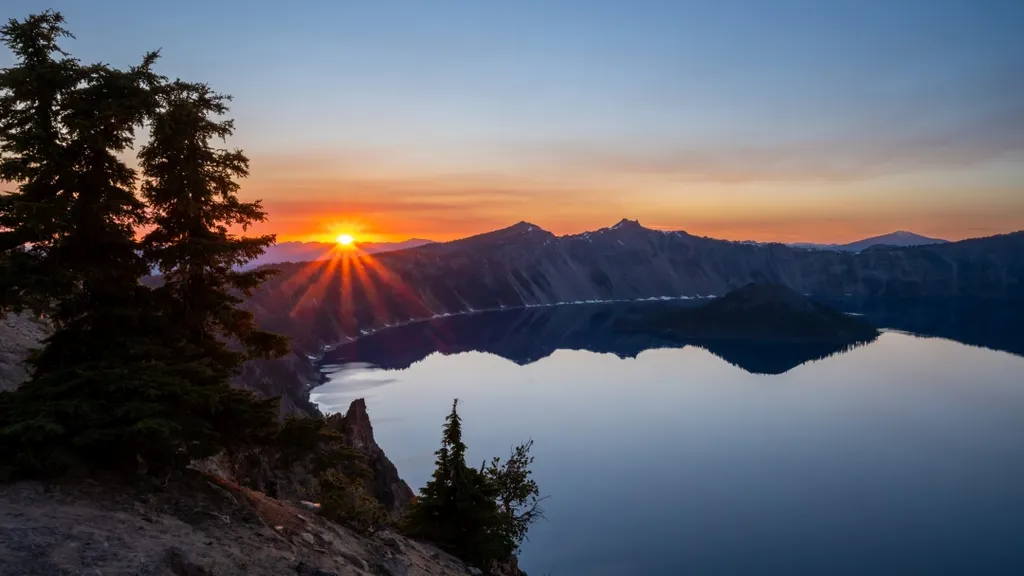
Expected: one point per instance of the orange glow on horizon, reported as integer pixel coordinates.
(311, 200)
(798, 228)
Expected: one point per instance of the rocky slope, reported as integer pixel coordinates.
(203, 524)
(289, 378)
(325, 303)
(197, 526)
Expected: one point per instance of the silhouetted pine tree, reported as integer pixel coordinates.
(191, 189)
(69, 234)
(34, 99)
(123, 382)
(458, 508)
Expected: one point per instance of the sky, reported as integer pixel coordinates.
(778, 120)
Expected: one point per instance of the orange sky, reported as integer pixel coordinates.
(315, 197)
(815, 123)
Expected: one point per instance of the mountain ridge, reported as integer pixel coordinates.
(524, 265)
(897, 239)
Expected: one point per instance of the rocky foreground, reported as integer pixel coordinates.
(19, 334)
(203, 523)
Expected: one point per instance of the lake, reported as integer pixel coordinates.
(904, 455)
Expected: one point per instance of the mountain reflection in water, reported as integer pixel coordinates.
(527, 335)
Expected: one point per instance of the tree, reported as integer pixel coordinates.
(476, 515)
(33, 102)
(68, 239)
(192, 194)
(191, 189)
(132, 377)
(518, 495)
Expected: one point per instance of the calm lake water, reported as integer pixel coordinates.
(901, 456)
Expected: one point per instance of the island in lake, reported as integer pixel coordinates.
(758, 312)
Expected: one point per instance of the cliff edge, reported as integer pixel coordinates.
(203, 523)
(385, 485)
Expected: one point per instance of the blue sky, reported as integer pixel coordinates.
(769, 119)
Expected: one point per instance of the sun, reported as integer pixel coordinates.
(345, 239)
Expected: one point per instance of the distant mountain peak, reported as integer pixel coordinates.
(519, 231)
(524, 226)
(627, 224)
(897, 239)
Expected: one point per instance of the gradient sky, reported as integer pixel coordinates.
(767, 120)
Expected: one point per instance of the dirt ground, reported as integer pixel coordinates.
(196, 525)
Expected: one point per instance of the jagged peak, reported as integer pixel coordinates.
(627, 224)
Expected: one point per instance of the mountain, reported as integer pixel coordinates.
(899, 239)
(310, 251)
(321, 304)
(759, 312)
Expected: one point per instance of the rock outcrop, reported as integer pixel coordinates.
(274, 471)
(19, 335)
(385, 485)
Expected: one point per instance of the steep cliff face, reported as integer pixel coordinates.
(290, 378)
(385, 485)
(324, 303)
(278, 474)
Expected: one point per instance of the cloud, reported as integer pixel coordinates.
(958, 124)
(384, 207)
(810, 161)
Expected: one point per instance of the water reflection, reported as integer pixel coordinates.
(898, 457)
(527, 335)
(902, 456)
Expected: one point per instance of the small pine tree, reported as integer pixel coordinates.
(458, 508)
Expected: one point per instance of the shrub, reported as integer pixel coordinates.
(345, 500)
